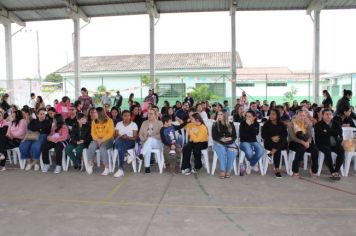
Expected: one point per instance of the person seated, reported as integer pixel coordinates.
(171, 146)
(102, 133)
(71, 121)
(63, 107)
(240, 115)
(16, 132)
(36, 136)
(57, 139)
(116, 115)
(50, 114)
(328, 138)
(249, 130)
(80, 139)
(183, 112)
(301, 141)
(198, 141)
(150, 138)
(274, 134)
(127, 131)
(4, 125)
(224, 136)
(265, 110)
(344, 117)
(253, 107)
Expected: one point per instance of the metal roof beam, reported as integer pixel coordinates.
(152, 9)
(316, 5)
(74, 11)
(233, 7)
(9, 17)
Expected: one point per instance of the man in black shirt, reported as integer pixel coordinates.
(328, 138)
(71, 121)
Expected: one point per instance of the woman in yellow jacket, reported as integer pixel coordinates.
(198, 140)
(102, 132)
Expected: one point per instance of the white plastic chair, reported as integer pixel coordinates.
(321, 162)
(291, 156)
(348, 134)
(132, 153)
(16, 156)
(85, 158)
(158, 153)
(243, 158)
(284, 157)
(215, 160)
(71, 162)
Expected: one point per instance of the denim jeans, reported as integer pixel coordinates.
(253, 151)
(30, 149)
(122, 146)
(226, 156)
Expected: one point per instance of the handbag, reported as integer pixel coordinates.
(32, 135)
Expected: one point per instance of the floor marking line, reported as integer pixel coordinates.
(328, 186)
(114, 190)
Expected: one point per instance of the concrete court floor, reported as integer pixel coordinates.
(74, 203)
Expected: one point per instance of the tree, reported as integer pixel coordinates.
(55, 78)
(202, 93)
(289, 95)
(100, 91)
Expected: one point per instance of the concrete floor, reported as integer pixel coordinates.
(73, 203)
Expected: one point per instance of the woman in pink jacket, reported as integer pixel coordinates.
(63, 107)
(57, 139)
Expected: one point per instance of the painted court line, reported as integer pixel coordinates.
(109, 196)
(328, 186)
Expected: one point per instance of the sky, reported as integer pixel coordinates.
(264, 39)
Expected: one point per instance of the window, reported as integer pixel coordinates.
(217, 88)
(278, 84)
(347, 87)
(335, 90)
(245, 85)
(171, 90)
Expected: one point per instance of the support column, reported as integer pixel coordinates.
(233, 58)
(152, 51)
(76, 47)
(316, 56)
(9, 65)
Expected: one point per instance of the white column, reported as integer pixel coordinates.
(316, 56)
(152, 50)
(233, 59)
(76, 47)
(9, 66)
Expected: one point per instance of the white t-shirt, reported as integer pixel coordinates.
(128, 130)
(204, 116)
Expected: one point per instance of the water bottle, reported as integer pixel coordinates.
(242, 169)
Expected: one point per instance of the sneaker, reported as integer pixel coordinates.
(28, 167)
(2, 157)
(3, 169)
(45, 168)
(186, 171)
(119, 173)
(248, 169)
(255, 168)
(278, 175)
(130, 159)
(37, 167)
(90, 170)
(147, 170)
(58, 170)
(194, 171)
(106, 172)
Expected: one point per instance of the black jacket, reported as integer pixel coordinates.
(270, 130)
(82, 133)
(323, 132)
(189, 100)
(248, 133)
(219, 131)
(342, 104)
(327, 101)
(238, 118)
(346, 121)
(43, 127)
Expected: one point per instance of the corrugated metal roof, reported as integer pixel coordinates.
(214, 60)
(32, 10)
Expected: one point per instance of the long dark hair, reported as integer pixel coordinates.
(58, 118)
(197, 117)
(327, 93)
(18, 117)
(278, 116)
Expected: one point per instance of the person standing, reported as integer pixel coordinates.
(117, 100)
(189, 99)
(106, 99)
(327, 101)
(86, 100)
(32, 101)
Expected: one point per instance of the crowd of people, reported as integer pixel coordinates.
(70, 127)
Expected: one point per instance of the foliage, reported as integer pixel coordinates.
(2, 91)
(55, 78)
(202, 93)
(289, 95)
(100, 91)
(146, 82)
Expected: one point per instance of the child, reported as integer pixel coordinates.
(169, 140)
